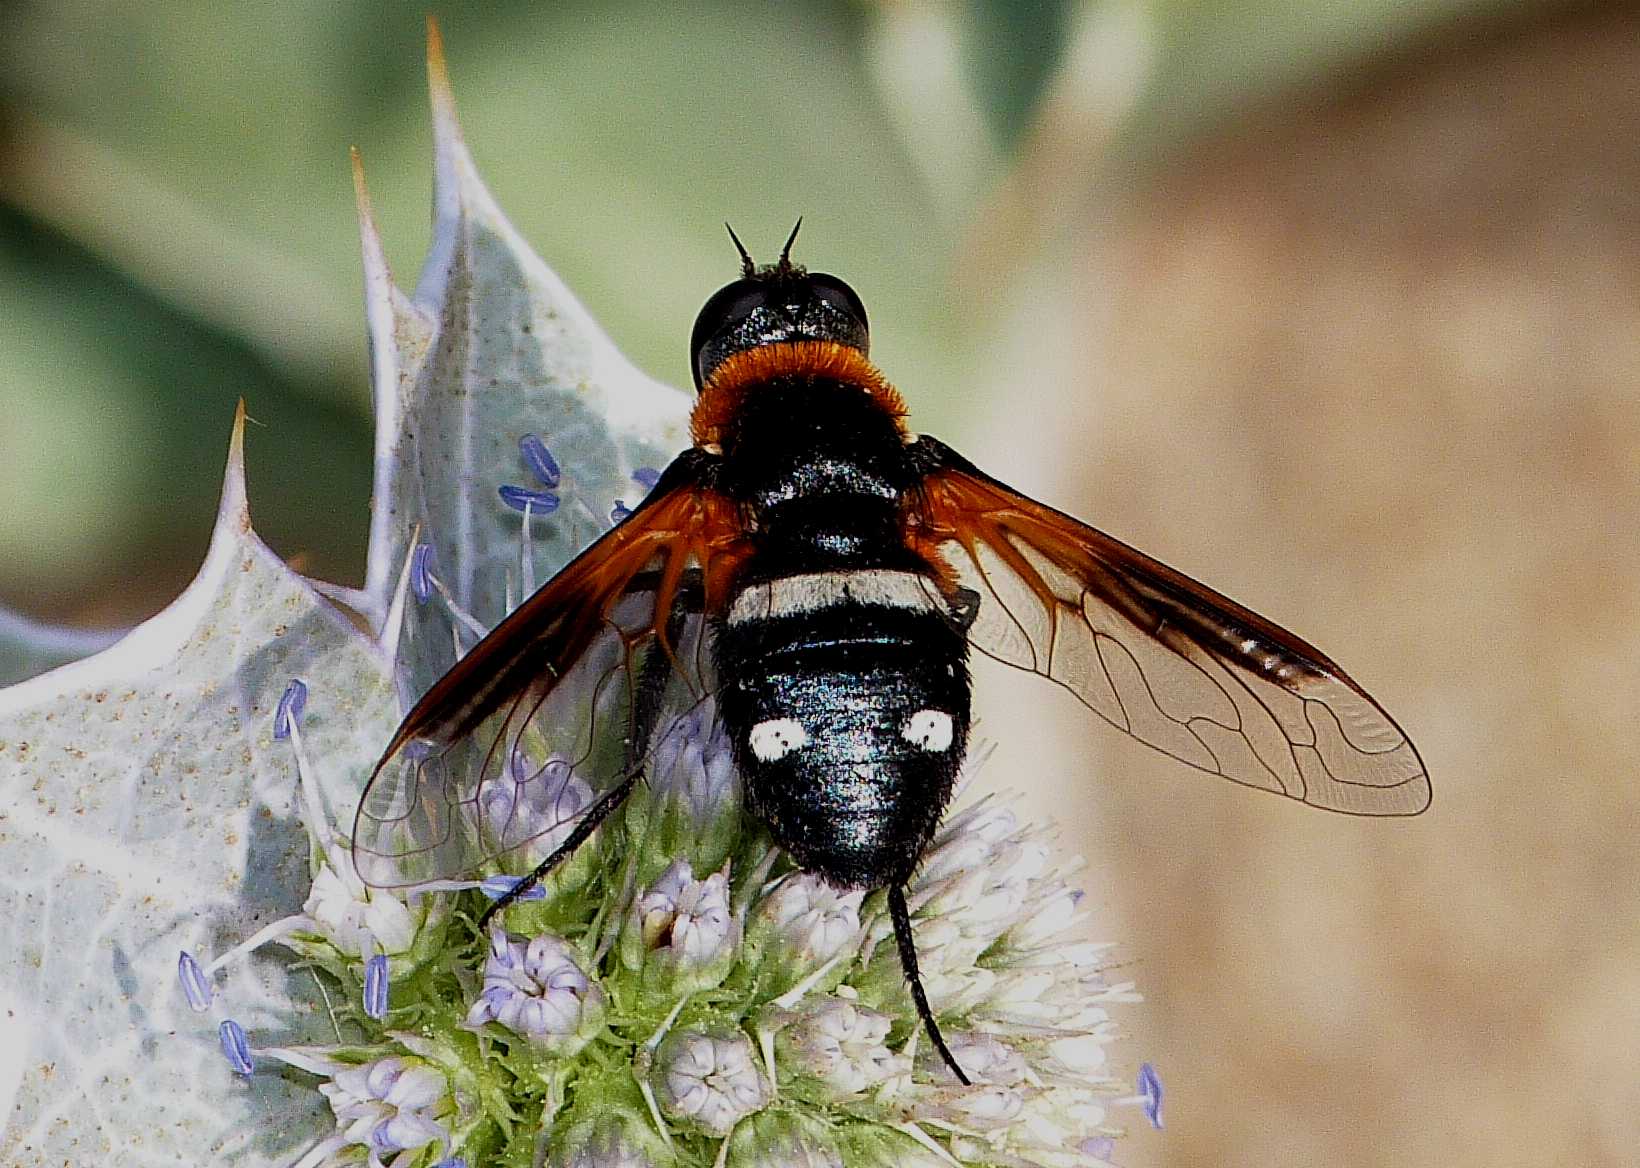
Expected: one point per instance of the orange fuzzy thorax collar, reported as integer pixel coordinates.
(742, 373)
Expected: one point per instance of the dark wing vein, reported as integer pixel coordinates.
(505, 751)
(1161, 657)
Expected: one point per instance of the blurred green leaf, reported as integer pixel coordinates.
(28, 648)
(1013, 50)
(105, 464)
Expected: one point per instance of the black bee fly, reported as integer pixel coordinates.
(824, 574)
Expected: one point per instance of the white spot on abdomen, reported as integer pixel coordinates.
(773, 740)
(928, 729)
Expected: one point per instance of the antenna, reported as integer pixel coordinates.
(785, 265)
(747, 267)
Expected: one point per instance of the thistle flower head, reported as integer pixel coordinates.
(357, 919)
(842, 1046)
(710, 1079)
(693, 762)
(783, 1139)
(537, 989)
(803, 922)
(751, 999)
(391, 1105)
(688, 919)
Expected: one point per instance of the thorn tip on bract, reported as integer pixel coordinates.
(236, 443)
(234, 501)
(438, 72)
(435, 45)
(361, 196)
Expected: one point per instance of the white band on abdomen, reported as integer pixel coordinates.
(795, 594)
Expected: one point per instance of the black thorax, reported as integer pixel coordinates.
(821, 470)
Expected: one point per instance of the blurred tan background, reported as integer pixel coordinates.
(1369, 357)
(1337, 308)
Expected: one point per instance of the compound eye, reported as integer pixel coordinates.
(727, 307)
(839, 295)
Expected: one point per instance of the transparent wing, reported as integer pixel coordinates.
(513, 788)
(502, 755)
(1158, 655)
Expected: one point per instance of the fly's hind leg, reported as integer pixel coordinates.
(594, 816)
(901, 916)
(964, 608)
(656, 670)
(647, 700)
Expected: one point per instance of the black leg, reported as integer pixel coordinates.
(965, 610)
(594, 816)
(653, 675)
(901, 916)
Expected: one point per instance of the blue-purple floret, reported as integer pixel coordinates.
(1150, 1093)
(646, 477)
(376, 987)
(619, 512)
(196, 987)
(495, 887)
(542, 465)
(524, 499)
(236, 1048)
(423, 563)
(289, 712)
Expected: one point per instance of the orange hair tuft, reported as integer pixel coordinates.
(741, 373)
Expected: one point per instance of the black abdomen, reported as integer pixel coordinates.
(847, 697)
(844, 678)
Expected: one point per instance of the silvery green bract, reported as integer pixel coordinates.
(179, 886)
